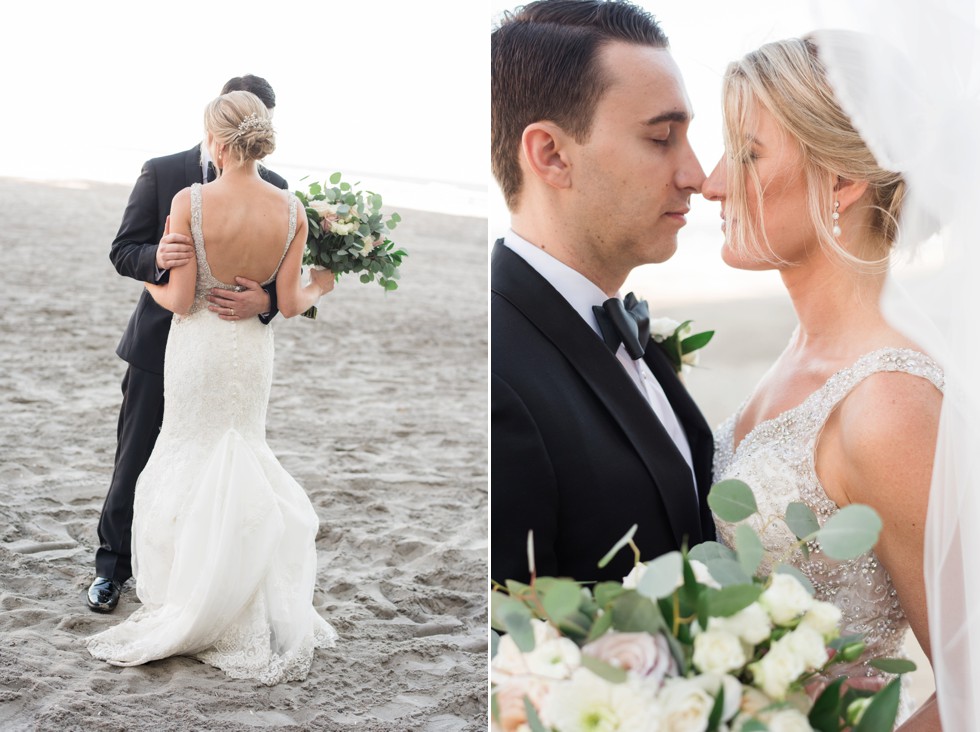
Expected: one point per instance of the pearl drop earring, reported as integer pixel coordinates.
(836, 217)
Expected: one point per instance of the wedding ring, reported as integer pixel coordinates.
(232, 312)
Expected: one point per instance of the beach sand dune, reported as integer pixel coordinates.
(378, 409)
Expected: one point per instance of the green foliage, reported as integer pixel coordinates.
(358, 241)
(662, 576)
(626, 539)
(850, 532)
(882, 710)
(732, 500)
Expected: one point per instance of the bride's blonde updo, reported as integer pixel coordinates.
(240, 121)
(788, 79)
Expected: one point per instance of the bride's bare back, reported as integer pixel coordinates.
(245, 224)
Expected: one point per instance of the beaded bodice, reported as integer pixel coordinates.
(205, 280)
(777, 460)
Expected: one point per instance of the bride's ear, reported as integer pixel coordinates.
(847, 192)
(544, 147)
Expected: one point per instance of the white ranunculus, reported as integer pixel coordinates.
(554, 659)
(662, 328)
(718, 652)
(323, 208)
(788, 720)
(713, 683)
(785, 599)
(700, 569)
(686, 706)
(807, 644)
(588, 703)
(751, 624)
(342, 229)
(775, 671)
(823, 617)
(510, 660)
(642, 654)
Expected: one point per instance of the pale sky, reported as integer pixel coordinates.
(386, 90)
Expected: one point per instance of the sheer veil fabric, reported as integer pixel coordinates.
(908, 74)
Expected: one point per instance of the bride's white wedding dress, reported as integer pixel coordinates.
(223, 537)
(776, 458)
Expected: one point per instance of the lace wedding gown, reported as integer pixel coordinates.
(223, 537)
(777, 460)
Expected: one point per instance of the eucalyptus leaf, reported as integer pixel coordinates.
(727, 571)
(882, 711)
(729, 600)
(662, 576)
(750, 549)
(533, 720)
(494, 642)
(606, 592)
(502, 604)
(708, 550)
(824, 715)
(624, 540)
(518, 626)
(604, 670)
(561, 600)
(732, 500)
(754, 725)
(801, 520)
(365, 278)
(600, 626)
(633, 613)
(893, 665)
(335, 178)
(850, 532)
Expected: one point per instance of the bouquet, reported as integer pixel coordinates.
(694, 640)
(679, 341)
(348, 233)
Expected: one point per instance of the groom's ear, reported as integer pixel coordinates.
(544, 147)
(847, 192)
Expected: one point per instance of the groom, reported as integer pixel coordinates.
(591, 430)
(143, 251)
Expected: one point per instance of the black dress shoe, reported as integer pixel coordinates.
(103, 595)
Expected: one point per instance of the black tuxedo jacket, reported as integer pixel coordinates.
(576, 453)
(134, 251)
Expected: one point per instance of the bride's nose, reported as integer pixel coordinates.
(714, 187)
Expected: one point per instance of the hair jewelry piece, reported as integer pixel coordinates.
(836, 217)
(252, 122)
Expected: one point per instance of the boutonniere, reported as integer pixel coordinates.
(679, 341)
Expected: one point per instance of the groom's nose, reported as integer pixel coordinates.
(690, 175)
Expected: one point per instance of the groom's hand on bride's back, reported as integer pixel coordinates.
(231, 305)
(174, 250)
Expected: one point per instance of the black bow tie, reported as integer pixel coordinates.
(624, 321)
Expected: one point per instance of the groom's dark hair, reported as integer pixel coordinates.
(255, 84)
(543, 66)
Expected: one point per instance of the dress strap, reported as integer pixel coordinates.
(293, 206)
(197, 231)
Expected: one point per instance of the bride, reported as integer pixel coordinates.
(849, 412)
(223, 537)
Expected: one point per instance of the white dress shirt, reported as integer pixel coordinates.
(582, 294)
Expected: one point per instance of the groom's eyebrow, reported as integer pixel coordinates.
(676, 116)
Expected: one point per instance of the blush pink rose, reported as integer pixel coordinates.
(642, 654)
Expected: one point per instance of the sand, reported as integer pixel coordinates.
(379, 410)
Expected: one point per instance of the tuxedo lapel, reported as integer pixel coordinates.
(192, 165)
(516, 281)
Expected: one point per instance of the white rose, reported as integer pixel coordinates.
(368, 245)
(691, 359)
(751, 624)
(641, 654)
(718, 652)
(785, 599)
(788, 720)
(588, 702)
(823, 617)
(714, 683)
(686, 706)
(808, 645)
(662, 328)
(777, 670)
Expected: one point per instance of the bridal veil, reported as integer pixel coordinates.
(908, 74)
